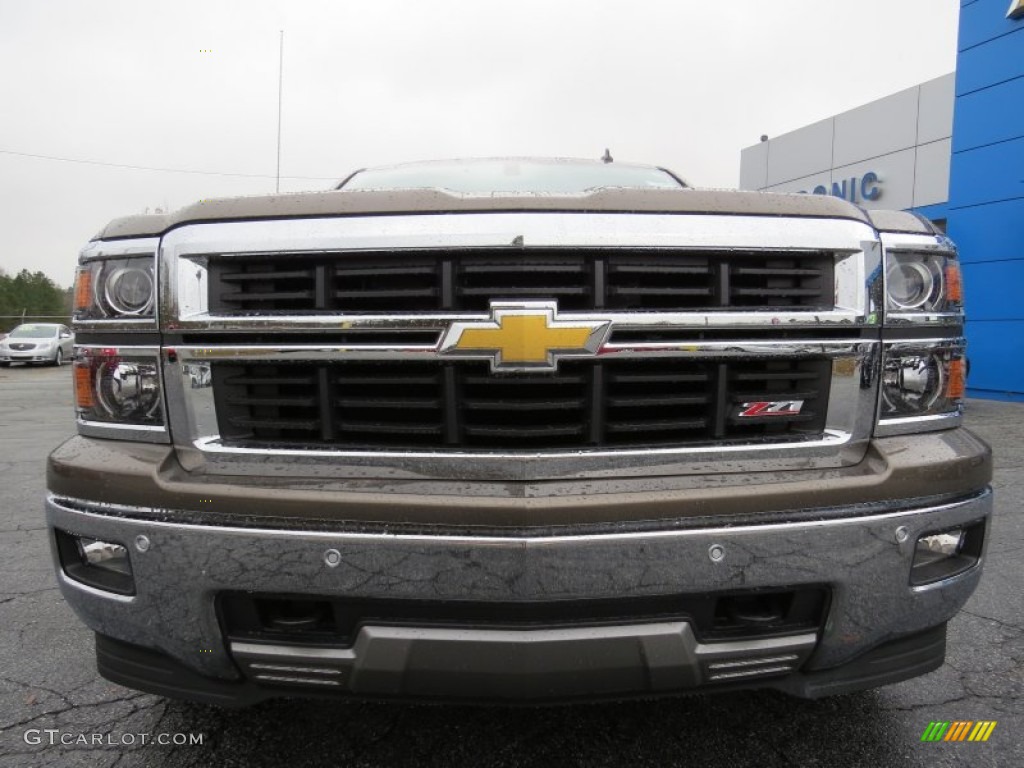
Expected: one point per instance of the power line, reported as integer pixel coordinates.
(161, 170)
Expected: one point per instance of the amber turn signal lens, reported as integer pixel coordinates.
(83, 289)
(954, 284)
(956, 385)
(83, 386)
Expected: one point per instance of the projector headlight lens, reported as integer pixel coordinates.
(110, 289)
(921, 384)
(129, 290)
(117, 389)
(912, 385)
(917, 282)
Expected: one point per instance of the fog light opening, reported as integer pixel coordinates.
(942, 554)
(96, 563)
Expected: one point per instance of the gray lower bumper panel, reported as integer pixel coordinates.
(527, 664)
(181, 569)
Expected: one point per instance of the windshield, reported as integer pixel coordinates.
(34, 332)
(489, 177)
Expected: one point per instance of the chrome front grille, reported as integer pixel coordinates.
(463, 406)
(328, 345)
(468, 279)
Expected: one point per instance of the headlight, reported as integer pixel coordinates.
(922, 387)
(118, 387)
(115, 288)
(923, 282)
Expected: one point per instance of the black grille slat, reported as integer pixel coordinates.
(268, 296)
(768, 376)
(388, 428)
(286, 401)
(577, 279)
(396, 293)
(659, 291)
(480, 277)
(290, 424)
(524, 432)
(756, 420)
(239, 277)
(471, 268)
(379, 283)
(651, 378)
(775, 291)
(781, 282)
(532, 291)
(658, 269)
(371, 402)
(275, 380)
(524, 380)
(398, 269)
(655, 425)
(656, 401)
(523, 405)
(739, 397)
(462, 405)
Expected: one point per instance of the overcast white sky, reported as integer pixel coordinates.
(193, 85)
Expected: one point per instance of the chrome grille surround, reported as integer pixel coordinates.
(207, 337)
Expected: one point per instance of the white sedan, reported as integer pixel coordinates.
(38, 343)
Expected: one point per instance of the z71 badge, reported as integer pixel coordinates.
(771, 408)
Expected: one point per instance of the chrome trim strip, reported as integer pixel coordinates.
(125, 349)
(905, 241)
(752, 662)
(139, 432)
(108, 249)
(924, 318)
(184, 251)
(923, 346)
(917, 424)
(852, 412)
(649, 321)
(140, 514)
(697, 349)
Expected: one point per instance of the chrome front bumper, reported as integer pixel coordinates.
(183, 567)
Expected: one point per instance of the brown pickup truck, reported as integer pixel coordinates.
(518, 430)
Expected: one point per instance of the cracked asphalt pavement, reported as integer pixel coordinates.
(48, 680)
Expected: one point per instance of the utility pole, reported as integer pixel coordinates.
(280, 85)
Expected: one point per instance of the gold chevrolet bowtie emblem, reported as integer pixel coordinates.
(524, 336)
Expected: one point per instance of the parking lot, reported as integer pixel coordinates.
(48, 679)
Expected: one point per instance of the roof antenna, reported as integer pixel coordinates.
(607, 158)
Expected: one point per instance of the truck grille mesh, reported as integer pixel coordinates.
(467, 280)
(464, 406)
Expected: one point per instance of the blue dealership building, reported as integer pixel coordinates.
(951, 149)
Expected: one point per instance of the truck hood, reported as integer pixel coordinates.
(420, 201)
